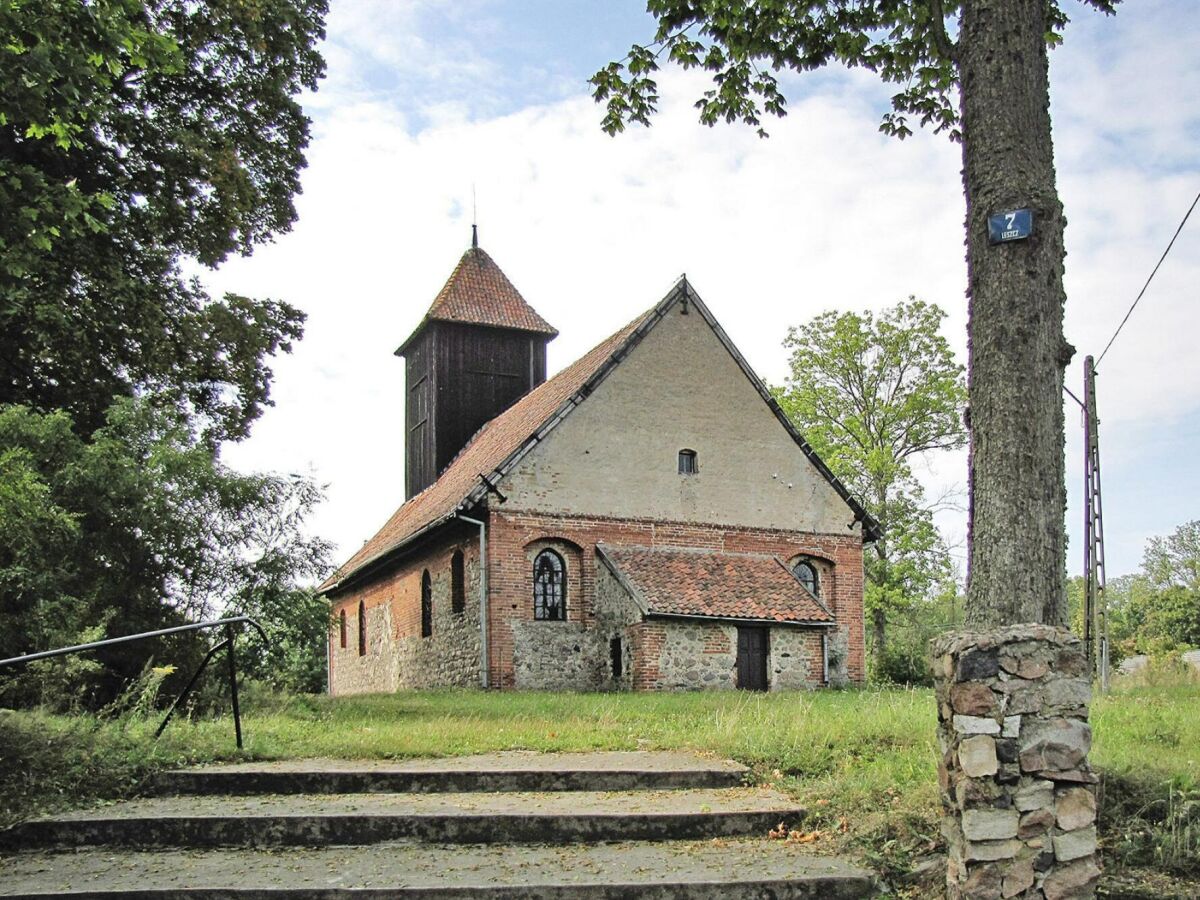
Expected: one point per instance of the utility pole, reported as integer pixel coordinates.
(1095, 625)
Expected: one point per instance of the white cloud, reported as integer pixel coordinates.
(825, 214)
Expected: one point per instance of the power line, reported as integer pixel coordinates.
(1148, 280)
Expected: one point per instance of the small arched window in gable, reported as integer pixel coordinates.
(458, 589)
(342, 629)
(806, 572)
(549, 587)
(687, 462)
(426, 604)
(362, 629)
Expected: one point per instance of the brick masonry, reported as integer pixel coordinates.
(397, 655)
(664, 655)
(577, 654)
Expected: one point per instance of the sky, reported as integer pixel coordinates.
(432, 109)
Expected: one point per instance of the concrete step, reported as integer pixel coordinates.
(677, 870)
(509, 771)
(325, 819)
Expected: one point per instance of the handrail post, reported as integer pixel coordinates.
(237, 715)
(191, 684)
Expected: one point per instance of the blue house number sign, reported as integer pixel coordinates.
(1014, 225)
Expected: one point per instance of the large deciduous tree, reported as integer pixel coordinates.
(135, 134)
(873, 394)
(978, 70)
(139, 138)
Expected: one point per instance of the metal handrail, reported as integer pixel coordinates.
(226, 644)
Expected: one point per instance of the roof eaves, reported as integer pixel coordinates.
(371, 563)
(808, 623)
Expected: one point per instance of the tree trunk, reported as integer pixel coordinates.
(878, 639)
(1016, 350)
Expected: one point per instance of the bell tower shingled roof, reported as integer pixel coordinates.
(479, 293)
(478, 350)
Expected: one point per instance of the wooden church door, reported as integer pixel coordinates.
(752, 659)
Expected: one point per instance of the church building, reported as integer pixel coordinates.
(647, 519)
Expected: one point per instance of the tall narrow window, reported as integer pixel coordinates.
(549, 587)
(614, 651)
(687, 462)
(458, 590)
(362, 629)
(426, 605)
(807, 573)
(342, 628)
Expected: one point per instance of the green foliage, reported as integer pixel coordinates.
(905, 657)
(1157, 610)
(746, 44)
(871, 394)
(152, 530)
(134, 133)
(1174, 561)
(297, 624)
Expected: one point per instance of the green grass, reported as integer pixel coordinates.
(864, 758)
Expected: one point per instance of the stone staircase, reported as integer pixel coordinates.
(508, 825)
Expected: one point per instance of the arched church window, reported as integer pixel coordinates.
(458, 590)
(549, 587)
(687, 462)
(342, 628)
(426, 604)
(362, 629)
(806, 572)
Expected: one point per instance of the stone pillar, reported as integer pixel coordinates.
(1018, 797)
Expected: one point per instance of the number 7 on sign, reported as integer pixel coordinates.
(1009, 219)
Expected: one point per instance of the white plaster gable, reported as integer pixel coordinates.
(616, 453)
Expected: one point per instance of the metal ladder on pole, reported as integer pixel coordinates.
(1095, 606)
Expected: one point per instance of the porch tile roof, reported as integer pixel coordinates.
(713, 584)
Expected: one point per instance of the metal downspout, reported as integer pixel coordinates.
(483, 596)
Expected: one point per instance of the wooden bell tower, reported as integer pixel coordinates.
(479, 349)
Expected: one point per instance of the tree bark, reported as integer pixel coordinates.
(1016, 350)
(879, 639)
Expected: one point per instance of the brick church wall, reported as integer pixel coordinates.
(397, 655)
(658, 654)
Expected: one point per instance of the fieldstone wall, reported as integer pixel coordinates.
(450, 656)
(1018, 796)
(555, 656)
(397, 655)
(839, 656)
(797, 661)
(616, 614)
(698, 656)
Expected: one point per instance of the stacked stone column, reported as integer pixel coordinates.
(1018, 796)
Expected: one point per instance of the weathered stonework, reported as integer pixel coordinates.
(397, 656)
(1018, 797)
(577, 654)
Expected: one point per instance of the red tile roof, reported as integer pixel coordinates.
(712, 584)
(477, 292)
(490, 447)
